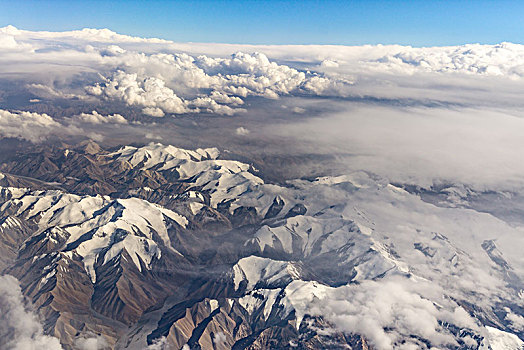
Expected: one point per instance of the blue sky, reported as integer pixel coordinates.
(417, 23)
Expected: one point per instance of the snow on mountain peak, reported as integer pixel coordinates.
(100, 227)
(156, 153)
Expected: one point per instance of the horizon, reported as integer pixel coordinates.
(354, 23)
(240, 45)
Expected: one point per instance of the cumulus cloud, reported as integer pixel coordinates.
(221, 97)
(258, 75)
(88, 34)
(168, 82)
(150, 92)
(9, 43)
(152, 79)
(38, 127)
(96, 118)
(501, 59)
(241, 131)
(230, 79)
(392, 313)
(158, 99)
(31, 126)
(211, 106)
(153, 112)
(19, 327)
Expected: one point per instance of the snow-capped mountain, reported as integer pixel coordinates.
(158, 246)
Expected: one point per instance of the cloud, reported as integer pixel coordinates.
(9, 43)
(241, 131)
(37, 127)
(174, 83)
(500, 59)
(420, 145)
(31, 126)
(211, 106)
(50, 93)
(150, 92)
(259, 76)
(151, 136)
(396, 110)
(516, 321)
(160, 344)
(96, 118)
(392, 313)
(20, 328)
(158, 99)
(221, 97)
(90, 34)
(91, 342)
(153, 112)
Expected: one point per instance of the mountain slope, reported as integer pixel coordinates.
(187, 248)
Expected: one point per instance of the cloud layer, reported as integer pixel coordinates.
(229, 81)
(393, 313)
(38, 127)
(419, 115)
(28, 126)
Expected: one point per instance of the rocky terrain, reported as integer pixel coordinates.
(162, 247)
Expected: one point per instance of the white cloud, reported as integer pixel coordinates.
(91, 342)
(149, 92)
(96, 118)
(391, 313)
(160, 344)
(49, 92)
(209, 105)
(31, 126)
(516, 321)
(36, 127)
(223, 98)
(242, 131)
(20, 328)
(153, 112)
(158, 99)
(420, 145)
(9, 43)
(151, 136)
(89, 34)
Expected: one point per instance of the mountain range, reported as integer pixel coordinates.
(161, 247)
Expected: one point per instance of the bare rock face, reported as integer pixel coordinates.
(226, 324)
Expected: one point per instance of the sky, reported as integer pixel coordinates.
(416, 23)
